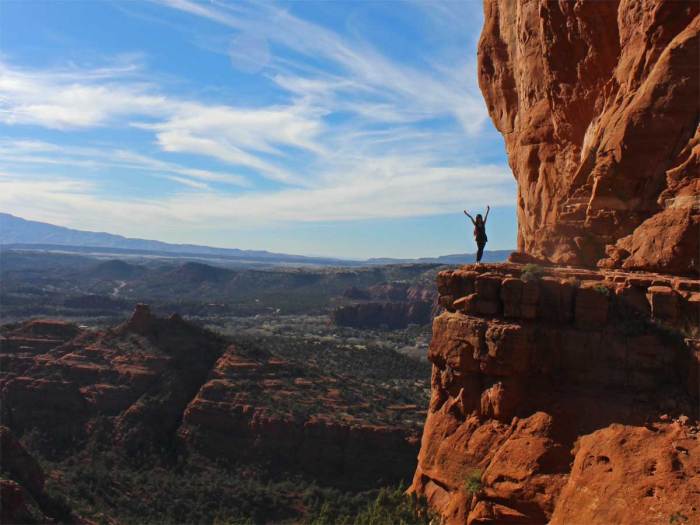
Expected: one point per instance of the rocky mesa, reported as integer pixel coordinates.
(566, 391)
(152, 384)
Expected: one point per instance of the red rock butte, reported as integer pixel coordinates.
(566, 392)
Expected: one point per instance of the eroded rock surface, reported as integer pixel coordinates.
(308, 422)
(557, 389)
(570, 395)
(598, 105)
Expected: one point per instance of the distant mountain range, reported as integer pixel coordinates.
(16, 232)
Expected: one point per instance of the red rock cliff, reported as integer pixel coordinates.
(562, 395)
(598, 103)
(569, 397)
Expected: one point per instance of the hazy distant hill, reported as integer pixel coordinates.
(15, 230)
(456, 258)
(115, 269)
(19, 233)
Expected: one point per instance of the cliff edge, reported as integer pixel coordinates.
(563, 396)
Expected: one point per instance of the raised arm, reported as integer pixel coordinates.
(472, 218)
(488, 209)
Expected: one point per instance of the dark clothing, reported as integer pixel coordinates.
(480, 251)
(480, 237)
(480, 233)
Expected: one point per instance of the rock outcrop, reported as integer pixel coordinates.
(228, 421)
(156, 384)
(392, 305)
(560, 388)
(142, 373)
(598, 105)
(376, 315)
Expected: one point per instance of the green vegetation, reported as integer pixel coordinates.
(102, 486)
(473, 482)
(382, 377)
(392, 506)
(602, 290)
(532, 272)
(83, 287)
(677, 518)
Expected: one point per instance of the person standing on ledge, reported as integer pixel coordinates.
(479, 232)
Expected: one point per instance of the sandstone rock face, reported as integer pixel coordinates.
(656, 467)
(560, 393)
(598, 105)
(142, 373)
(571, 396)
(37, 336)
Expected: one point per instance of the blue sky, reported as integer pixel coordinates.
(346, 129)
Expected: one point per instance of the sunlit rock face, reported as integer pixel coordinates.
(598, 105)
(563, 396)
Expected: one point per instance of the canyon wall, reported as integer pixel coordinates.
(567, 392)
(598, 103)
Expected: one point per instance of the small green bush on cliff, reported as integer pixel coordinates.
(532, 272)
(473, 482)
(602, 290)
(677, 518)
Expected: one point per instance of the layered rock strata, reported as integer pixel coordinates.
(154, 384)
(391, 305)
(556, 388)
(376, 315)
(598, 105)
(562, 395)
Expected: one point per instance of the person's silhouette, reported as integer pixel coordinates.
(479, 232)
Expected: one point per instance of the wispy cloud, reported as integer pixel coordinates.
(379, 88)
(34, 152)
(418, 192)
(78, 98)
(351, 133)
(73, 98)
